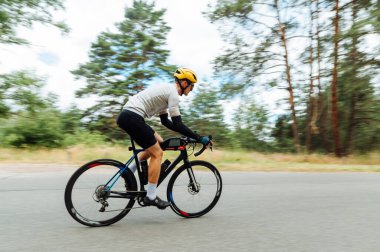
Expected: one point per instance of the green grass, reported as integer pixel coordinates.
(225, 160)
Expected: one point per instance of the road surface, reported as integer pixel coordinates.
(258, 211)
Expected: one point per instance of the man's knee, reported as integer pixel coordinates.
(155, 151)
(158, 154)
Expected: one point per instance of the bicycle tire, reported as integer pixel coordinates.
(184, 203)
(129, 184)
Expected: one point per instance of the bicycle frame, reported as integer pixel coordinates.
(183, 156)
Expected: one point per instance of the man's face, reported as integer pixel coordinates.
(189, 86)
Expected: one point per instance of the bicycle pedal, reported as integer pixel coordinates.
(141, 202)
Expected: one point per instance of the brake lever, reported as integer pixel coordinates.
(201, 151)
(204, 147)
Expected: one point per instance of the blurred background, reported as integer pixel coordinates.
(294, 77)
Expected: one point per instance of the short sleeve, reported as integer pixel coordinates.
(173, 104)
(163, 112)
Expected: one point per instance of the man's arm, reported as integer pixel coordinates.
(177, 125)
(166, 122)
(181, 128)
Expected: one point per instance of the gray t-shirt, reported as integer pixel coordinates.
(156, 99)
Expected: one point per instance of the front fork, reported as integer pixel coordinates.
(193, 182)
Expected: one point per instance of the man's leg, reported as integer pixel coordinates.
(144, 155)
(155, 153)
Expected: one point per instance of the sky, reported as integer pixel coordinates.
(193, 42)
(54, 56)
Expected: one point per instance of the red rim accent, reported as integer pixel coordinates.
(93, 165)
(184, 213)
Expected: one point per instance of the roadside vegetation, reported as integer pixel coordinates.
(327, 67)
(225, 160)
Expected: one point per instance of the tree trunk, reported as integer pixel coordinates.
(334, 85)
(310, 107)
(318, 31)
(351, 126)
(321, 103)
(289, 81)
(354, 56)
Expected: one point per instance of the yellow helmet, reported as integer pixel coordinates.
(185, 73)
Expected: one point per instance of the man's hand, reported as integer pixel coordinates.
(205, 140)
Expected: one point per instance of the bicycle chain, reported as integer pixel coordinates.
(139, 201)
(124, 209)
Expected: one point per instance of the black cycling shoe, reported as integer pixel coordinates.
(159, 203)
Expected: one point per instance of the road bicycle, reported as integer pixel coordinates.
(103, 191)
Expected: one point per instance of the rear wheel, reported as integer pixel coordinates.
(88, 199)
(191, 198)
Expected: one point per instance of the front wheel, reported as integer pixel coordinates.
(193, 191)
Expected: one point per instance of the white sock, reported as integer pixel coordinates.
(151, 191)
(133, 167)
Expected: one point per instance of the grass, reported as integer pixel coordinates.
(223, 159)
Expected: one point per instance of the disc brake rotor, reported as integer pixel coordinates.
(192, 190)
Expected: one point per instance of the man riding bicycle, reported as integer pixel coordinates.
(159, 99)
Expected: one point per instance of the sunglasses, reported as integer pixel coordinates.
(189, 83)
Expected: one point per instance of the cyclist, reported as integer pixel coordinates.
(158, 99)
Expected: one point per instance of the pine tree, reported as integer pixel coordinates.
(122, 63)
(205, 115)
(358, 103)
(258, 35)
(251, 126)
(20, 91)
(334, 83)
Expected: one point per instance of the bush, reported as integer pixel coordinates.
(33, 130)
(85, 138)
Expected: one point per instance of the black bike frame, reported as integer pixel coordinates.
(183, 156)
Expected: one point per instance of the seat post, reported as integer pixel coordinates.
(135, 153)
(133, 145)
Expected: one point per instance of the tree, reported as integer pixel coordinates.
(71, 120)
(20, 91)
(205, 115)
(258, 38)
(29, 119)
(334, 83)
(251, 126)
(14, 14)
(336, 102)
(312, 103)
(124, 62)
(358, 101)
(43, 129)
(282, 133)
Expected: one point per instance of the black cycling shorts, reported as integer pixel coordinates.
(136, 127)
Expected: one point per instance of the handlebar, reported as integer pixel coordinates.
(201, 151)
(204, 147)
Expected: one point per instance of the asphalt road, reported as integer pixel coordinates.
(257, 212)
